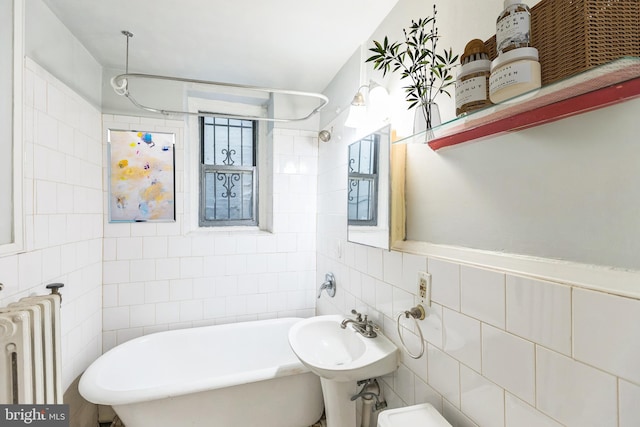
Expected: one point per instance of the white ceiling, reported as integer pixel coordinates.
(289, 44)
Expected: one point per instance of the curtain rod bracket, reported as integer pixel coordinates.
(128, 35)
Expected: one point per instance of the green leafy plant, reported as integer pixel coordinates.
(416, 58)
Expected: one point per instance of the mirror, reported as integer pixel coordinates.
(11, 42)
(368, 189)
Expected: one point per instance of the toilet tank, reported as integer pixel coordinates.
(423, 415)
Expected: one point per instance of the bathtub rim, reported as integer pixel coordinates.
(94, 392)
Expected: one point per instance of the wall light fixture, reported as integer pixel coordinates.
(376, 109)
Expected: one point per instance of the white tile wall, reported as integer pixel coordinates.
(431, 326)
(63, 227)
(518, 413)
(502, 350)
(574, 393)
(443, 373)
(462, 338)
(550, 327)
(629, 403)
(445, 278)
(482, 295)
(481, 400)
(509, 361)
(162, 276)
(593, 342)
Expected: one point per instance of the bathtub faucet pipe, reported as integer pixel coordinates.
(329, 285)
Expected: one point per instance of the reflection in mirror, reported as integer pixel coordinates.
(368, 190)
(363, 181)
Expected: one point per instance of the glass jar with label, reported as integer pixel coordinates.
(513, 26)
(514, 73)
(472, 83)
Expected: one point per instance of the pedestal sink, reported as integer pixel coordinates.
(340, 357)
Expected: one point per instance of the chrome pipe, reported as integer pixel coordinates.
(120, 85)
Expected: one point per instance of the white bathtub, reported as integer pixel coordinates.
(241, 374)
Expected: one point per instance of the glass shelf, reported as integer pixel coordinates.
(598, 87)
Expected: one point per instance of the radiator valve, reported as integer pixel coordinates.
(55, 289)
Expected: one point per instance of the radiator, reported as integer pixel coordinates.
(30, 357)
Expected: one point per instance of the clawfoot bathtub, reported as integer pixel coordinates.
(241, 374)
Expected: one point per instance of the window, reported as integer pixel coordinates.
(228, 172)
(363, 181)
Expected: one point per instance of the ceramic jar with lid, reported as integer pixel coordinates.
(514, 73)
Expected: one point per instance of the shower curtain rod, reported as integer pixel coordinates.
(120, 84)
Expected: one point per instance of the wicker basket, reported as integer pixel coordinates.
(574, 35)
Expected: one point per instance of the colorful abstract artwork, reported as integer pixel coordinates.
(141, 179)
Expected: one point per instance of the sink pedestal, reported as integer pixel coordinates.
(339, 409)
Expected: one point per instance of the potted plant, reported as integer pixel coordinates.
(416, 58)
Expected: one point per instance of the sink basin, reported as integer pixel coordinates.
(340, 354)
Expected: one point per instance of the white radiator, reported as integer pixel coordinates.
(30, 358)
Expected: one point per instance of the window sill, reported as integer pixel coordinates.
(244, 230)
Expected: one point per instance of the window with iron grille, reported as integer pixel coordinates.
(363, 181)
(228, 172)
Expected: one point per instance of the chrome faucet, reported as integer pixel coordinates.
(362, 325)
(329, 284)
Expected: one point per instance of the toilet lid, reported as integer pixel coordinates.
(424, 415)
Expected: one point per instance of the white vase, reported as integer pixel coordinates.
(420, 122)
